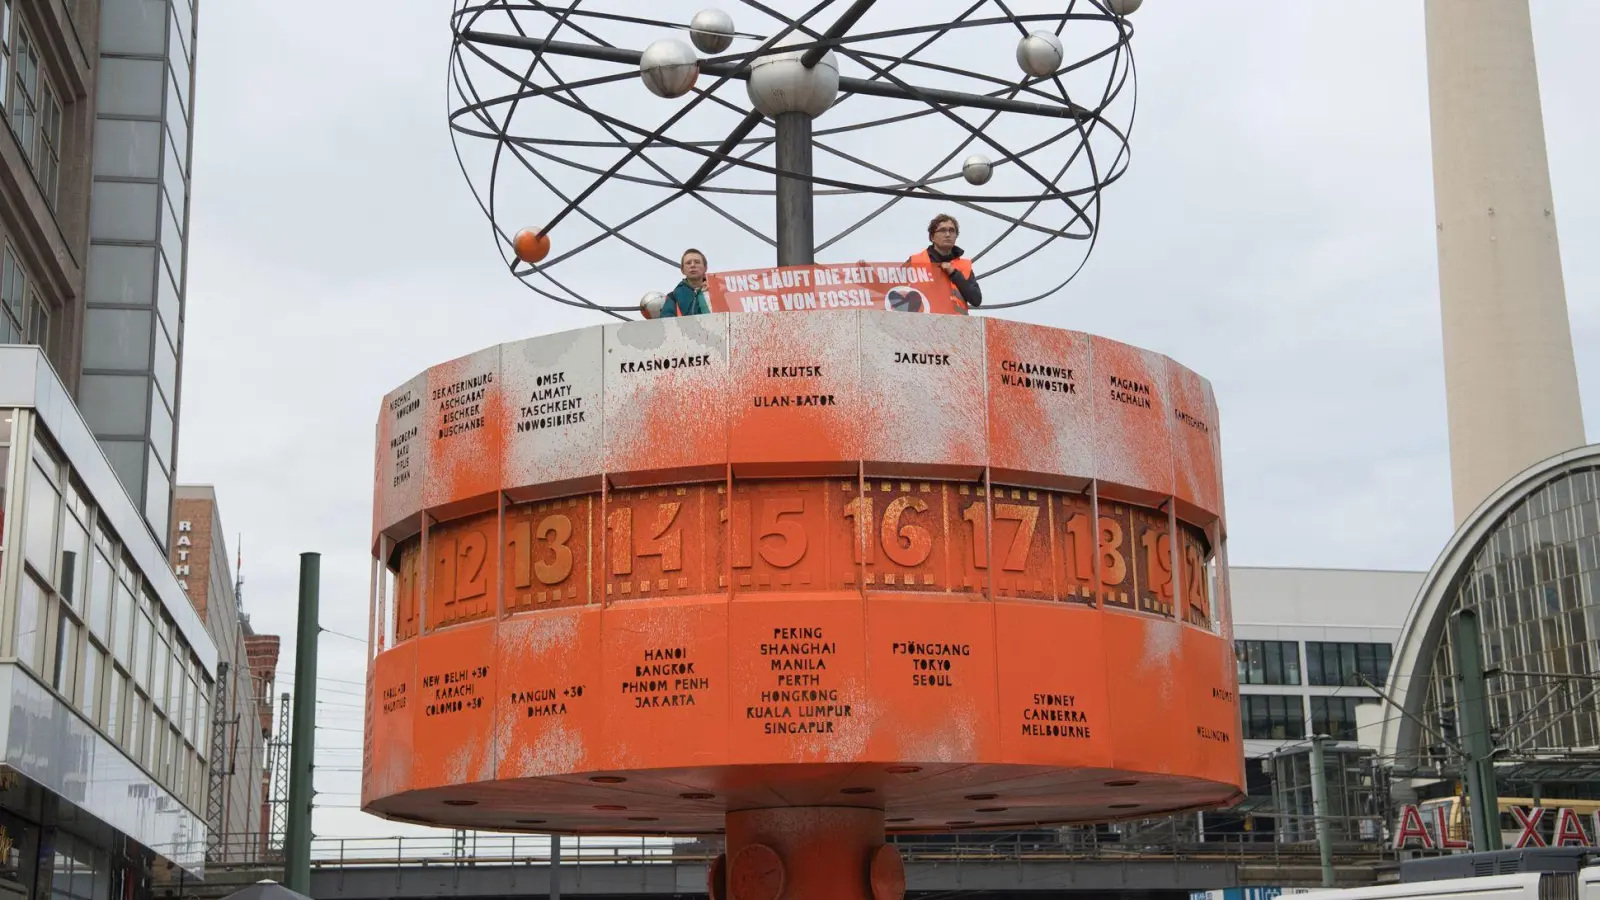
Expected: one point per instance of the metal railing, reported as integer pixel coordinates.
(490, 849)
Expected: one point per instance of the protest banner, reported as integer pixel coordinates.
(819, 288)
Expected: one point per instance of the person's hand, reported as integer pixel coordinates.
(947, 267)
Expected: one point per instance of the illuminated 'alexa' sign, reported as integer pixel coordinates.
(1569, 829)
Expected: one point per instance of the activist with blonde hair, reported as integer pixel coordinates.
(689, 298)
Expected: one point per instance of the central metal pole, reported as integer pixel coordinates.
(810, 853)
(297, 840)
(796, 219)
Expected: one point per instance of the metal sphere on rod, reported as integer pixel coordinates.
(712, 30)
(780, 83)
(797, 71)
(1040, 54)
(977, 169)
(669, 68)
(530, 246)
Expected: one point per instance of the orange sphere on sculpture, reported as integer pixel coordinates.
(531, 247)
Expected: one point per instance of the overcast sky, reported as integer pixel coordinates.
(1274, 232)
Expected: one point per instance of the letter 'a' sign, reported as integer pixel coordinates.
(1569, 829)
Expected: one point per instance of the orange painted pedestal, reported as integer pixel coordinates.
(802, 578)
(818, 851)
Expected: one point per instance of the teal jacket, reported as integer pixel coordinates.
(685, 301)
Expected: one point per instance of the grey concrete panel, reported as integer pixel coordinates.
(1133, 414)
(465, 431)
(1193, 426)
(922, 393)
(1041, 412)
(554, 398)
(666, 409)
(1216, 454)
(403, 465)
(800, 374)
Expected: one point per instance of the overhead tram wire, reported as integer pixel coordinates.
(336, 633)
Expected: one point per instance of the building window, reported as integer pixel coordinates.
(1347, 664)
(65, 677)
(36, 116)
(1335, 716)
(87, 626)
(38, 321)
(24, 316)
(94, 666)
(13, 287)
(1273, 718)
(39, 520)
(1268, 662)
(81, 871)
(30, 622)
(135, 738)
(5, 42)
(114, 694)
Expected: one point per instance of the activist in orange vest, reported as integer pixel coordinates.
(944, 255)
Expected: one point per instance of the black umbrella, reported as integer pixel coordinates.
(267, 890)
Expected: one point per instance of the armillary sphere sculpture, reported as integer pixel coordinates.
(626, 132)
(812, 568)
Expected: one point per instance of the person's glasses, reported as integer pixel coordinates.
(945, 230)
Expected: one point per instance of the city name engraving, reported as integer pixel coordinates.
(550, 405)
(1133, 393)
(665, 677)
(1191, 421)
(801, 704)
(1038, 377)
(664, 363)
(1057, 716)
(461, 405)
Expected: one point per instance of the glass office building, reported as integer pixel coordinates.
(106, 666)
(1528, 561)
(135, 260)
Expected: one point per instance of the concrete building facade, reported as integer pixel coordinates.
(108, 671)
(247, 664)
(137, 242)
(1311, 645)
